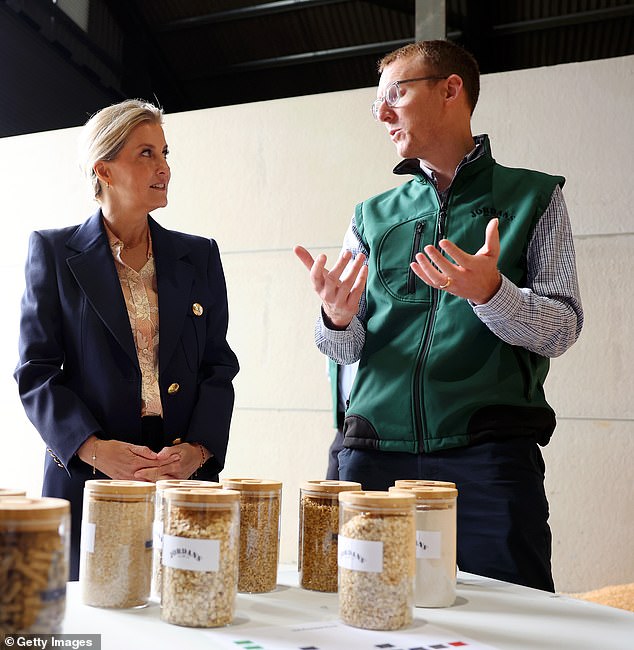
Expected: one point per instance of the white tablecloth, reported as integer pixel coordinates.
(488, 612)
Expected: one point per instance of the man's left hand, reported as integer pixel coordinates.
(473, 277)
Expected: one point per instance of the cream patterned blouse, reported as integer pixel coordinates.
(141, 298)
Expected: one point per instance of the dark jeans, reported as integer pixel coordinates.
(332, 473)
(502, 509)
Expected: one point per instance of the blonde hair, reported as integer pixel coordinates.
(443, 58)
(106, 132)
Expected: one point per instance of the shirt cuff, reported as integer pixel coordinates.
(503, 306)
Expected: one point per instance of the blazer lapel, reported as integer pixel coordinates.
(95, 272)
(175, 278)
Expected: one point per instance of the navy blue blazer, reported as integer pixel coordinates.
(78, 372)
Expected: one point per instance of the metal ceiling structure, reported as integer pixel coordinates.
(60, 60)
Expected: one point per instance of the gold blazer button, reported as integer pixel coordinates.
(197, 309)
(173, 388)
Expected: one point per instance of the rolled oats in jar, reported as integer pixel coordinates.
(435, 584)
(318, 533)
(200, 556)
(115, 567)
(377, 539)
(157, 529)
(260, 502)
(34, 548)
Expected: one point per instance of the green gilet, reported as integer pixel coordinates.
(432, 376)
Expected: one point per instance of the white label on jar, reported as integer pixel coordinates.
(428, 544)
(359, 555)
(87, 542)
(157, 535)
(191, 554)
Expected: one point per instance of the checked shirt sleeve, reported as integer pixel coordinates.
(546, 316)
(344, 346)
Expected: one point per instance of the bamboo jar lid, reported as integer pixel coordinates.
(251, 484)
(200, 495)
(378, 499)
(27, 513)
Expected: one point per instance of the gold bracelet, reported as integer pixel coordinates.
(202, 455)
(94, 456)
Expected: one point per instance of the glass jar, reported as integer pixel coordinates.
(407, 483)
(435, 545)
(115, 567)
(157, 528)
(200, 556)
(260, 502)
(377, 539)
(34, 548)
(318, 532)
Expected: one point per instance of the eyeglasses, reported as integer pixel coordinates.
(393, 93)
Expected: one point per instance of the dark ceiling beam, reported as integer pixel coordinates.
(304, 58)
(312, 57)
(242, 13)
(565, 20)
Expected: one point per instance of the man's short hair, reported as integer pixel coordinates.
(443, 58)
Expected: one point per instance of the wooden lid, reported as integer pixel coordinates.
(27, 512)
(118, 487)
(378, 498)
(412, 482)
(9, 492)
(251, 484)
(188, 495)
(425, 492)
(188, 483)
(330, 487)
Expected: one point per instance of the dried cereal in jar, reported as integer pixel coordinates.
(34, 547)
(376, 559)
(115, 567)
(157, 529)
(318, 533)
(259, 532)
(200, 556)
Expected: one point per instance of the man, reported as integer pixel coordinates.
(453, 290)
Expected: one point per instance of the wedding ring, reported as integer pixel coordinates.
(444, 286)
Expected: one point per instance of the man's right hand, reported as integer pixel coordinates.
(339, 293)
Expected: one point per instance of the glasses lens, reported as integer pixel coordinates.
(392, 94)
(376, 104)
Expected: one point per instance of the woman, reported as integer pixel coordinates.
(114, 390)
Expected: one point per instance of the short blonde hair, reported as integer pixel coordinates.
(106, 132)
(443, 58)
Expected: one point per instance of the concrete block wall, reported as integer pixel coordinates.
(262, 177)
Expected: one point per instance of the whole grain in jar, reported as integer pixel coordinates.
(376, 559)
(259, 532)
(200, 556)
(115, 568)
(157, 529)
(435, 584)
(34, 548)
(318, 533)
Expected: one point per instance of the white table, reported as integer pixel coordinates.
(489, 612)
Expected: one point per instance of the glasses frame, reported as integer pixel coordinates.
(376, 104)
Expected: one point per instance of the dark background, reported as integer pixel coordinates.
(61, 60)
